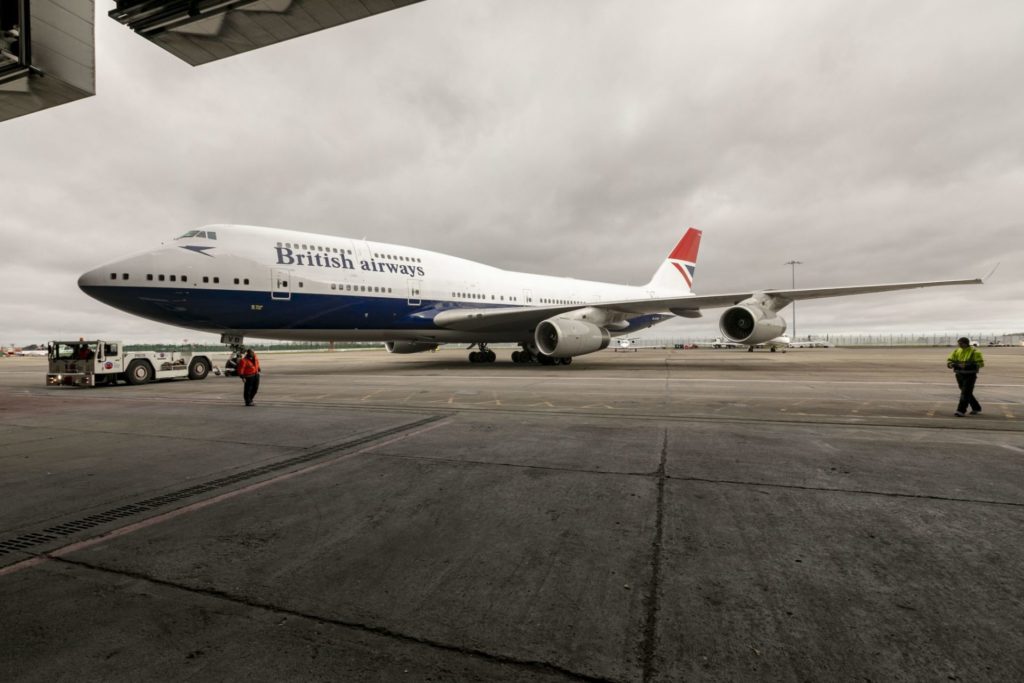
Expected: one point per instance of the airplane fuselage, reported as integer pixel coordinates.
(282, 284)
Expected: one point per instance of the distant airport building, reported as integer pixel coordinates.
(201, 31)
(47, 54)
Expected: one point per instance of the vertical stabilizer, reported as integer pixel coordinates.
(676, 272)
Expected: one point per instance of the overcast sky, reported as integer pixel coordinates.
(874, 141)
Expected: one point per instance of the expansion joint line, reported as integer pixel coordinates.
(650, 641)
(862, 492)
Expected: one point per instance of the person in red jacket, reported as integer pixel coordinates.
(248, 369)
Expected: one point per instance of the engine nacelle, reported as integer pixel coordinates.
(409, 346)
(751, 324)
(564, 337)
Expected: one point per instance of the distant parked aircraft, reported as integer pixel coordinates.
(772, 344)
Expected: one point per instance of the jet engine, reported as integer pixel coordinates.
(563, 337)
(751, 323)
(409, 346)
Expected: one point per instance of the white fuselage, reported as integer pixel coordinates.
(282, 284)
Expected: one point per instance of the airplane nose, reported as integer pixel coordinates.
(95, 283)
(90, 278)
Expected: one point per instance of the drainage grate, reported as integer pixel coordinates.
(26, 541)
(23, 541)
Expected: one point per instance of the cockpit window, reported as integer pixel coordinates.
(205, 234)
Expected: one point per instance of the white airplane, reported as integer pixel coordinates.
(625, 344)
(811, 344)
(279, 284)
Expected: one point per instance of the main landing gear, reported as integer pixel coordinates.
(531, 355)
(484, 355)
(527, 354)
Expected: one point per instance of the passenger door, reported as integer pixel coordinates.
(280, 288)
(414, 292)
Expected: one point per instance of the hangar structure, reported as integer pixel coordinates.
(47, 54)
(47, 47)
(201, 31)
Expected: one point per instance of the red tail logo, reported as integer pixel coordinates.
(684, 256)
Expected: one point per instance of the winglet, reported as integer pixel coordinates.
(985, 279)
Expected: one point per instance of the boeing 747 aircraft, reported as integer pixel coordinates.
(279, 284)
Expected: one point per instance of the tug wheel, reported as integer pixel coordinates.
(139, 372)
(199, 368)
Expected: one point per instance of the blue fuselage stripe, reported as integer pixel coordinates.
(223, 310)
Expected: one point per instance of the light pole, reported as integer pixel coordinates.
(793, 265)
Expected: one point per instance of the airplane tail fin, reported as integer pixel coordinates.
(676, 272)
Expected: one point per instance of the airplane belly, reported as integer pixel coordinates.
(258, 310)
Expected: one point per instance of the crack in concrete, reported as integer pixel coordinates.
(650, 640)
(533, 665)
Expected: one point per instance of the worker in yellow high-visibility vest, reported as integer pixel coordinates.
(966, 361)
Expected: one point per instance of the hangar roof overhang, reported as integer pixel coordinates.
(202, 31)
(47, 54)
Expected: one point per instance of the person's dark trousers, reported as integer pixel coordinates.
(252, 385)
(966, 383)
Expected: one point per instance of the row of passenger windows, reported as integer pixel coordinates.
(360, 288)
(500, 297)
(397, 257)
(245, 281)
(313, 247)
(481, 297)
(348, 288)
(336, 250)
(181, 278)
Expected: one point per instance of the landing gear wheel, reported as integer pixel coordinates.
(525, 355)
(198, 368)
(139, 372)
(484, 355)
(566, 361)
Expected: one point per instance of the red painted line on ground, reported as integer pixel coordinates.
(159, 519)
(24, 564)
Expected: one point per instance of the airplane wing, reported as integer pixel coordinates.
(500, 319)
